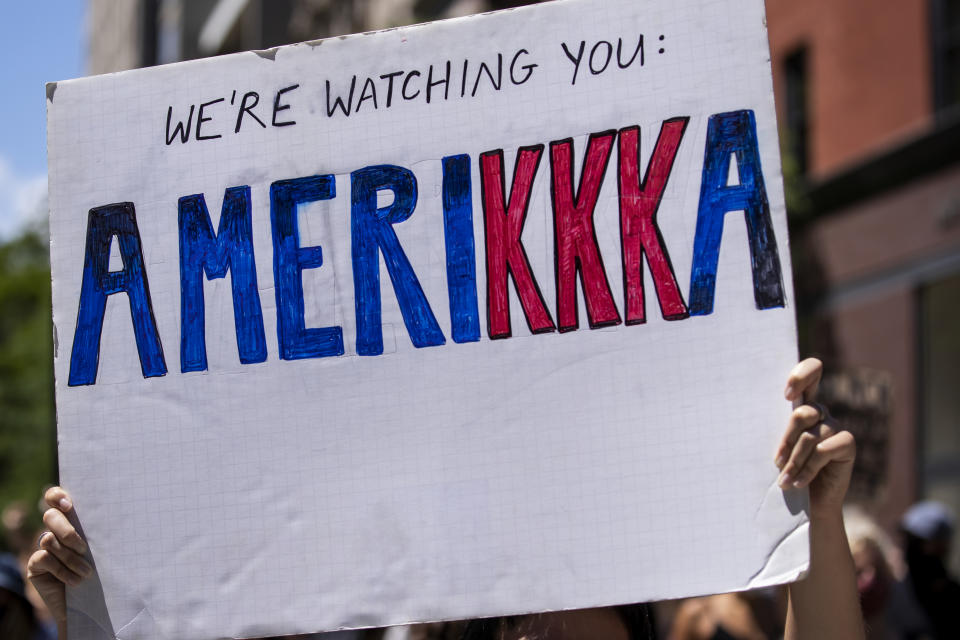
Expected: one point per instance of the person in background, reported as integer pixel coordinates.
(926, 603)
(878, 566)
(813, 453)
(19, 534)
(17, 619)
(17, 531)
(751, 615)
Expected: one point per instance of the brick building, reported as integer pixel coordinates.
(868, 93)
(868, 97)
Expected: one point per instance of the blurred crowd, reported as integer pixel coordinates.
(906, 592)
(23, 615)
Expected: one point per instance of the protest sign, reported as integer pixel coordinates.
(480, 317)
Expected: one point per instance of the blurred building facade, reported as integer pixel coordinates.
(140, 33)
(868, 94)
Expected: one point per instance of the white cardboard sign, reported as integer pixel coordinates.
(479, 317)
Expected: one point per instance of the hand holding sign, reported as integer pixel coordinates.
(59, 559)
(814, 452)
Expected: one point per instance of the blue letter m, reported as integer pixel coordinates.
(231, 249)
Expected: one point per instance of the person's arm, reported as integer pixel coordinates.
(814, 453)
(58, 559)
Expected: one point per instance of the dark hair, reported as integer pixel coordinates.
(16, 616)
(637, 619)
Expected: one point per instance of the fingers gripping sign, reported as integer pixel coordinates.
(59, 558)
(814, 452)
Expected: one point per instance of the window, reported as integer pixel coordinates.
(940, 402)
(945, 28)
(797, 114)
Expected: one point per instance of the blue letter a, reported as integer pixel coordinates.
(230, 249)
(104, 223)
(734, 134)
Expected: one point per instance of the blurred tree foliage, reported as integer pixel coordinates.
(27, 416)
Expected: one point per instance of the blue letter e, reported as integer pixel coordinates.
(289, 261)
